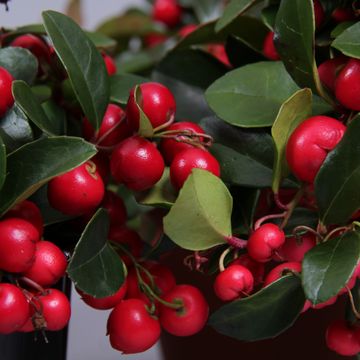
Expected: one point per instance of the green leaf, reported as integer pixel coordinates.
(15, 129)
(2, 163)
(264, 315)
(232, 11)
(268, 15)
(207, 10)
(95, 267)
(145, 126)
(200, 217)
(36, 29)
(339, 28)
(246, 97)
(100, 40)
(21, 63)
(337, 182)
(83, 62)
(56, 115)
(34, 164)
(292, 112)
(327, 267)
(42, 92)
(30, 105)
(122, 84)
(348, 41)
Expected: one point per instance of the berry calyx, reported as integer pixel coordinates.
(6, 98)
(167, 11)
(234, 282)
(269, 49)
(137, 163)
(310, 143)
(264, 241)
(187, 160)
(78, 191)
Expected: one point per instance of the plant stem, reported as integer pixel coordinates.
(222, 258)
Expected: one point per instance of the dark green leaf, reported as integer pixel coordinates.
(268, 15)
(15, 129)
(145, 126)
(42, 92)
(264, 315)
(122, 84)
(34, 164)
(337, 182)
(200, 217)
(30, 105)
(56, 115)
(100, 40)
(246, 97)
(95, 267)
(2, 163)
(292, 112)
(21, 63)
(327, 267)
(83, 62)
(348, 41)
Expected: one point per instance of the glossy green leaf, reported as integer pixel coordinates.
(42, 92)
(348, 42)
(95, 267)
(292, 112)
(207, 10)
(327, 267)
(232, 11)
(339, 28)
(83, 62)
(100, 40)
(337, 182)
(21, 63)
(34, 164)
(264, 315)
(200, 217)
(30, 105)
(268, 15)
(15, 129)
(145, 126)
(56, 115)
(245, 96)
(295, 24)
(122, 84)
(2, 163)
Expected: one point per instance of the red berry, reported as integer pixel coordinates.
(343, 14)
(234, 282)
(281, 270)
(14, 309)
(219, 52)
(104, 303)
(326, 303)
(310, 143)
(187, 160)
(329, 69)
(137, 163)
(6, 98)
(347, 85)
(17, 245)
(154, 39)
(343, 338)
(28, 211)
(186, 30)
(191, 317)
(78, 191)
(49, 265)
(264, 241)
(257, 269)
(109, 63)
(295, 249)
(157, 102)
(113, 128)
(172, 146)
(319, 13)
(34, 44)
(167, 12)
(115, 206)
(269, 49)
(131, 328)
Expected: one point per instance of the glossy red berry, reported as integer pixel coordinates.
(6, 98)
(157, 102)
(191, 317)
(187, 160)
(319, 13)
(107, 302)
(49, 265)
(347, 85)
(115, 206)
(264, 241)
(326, 303)
(269, 49)
(17, 245)
(172, 146)
(310, 143)
(219, 52)
(137, 163)
(113, 128)
(257, 269)
(109, 64)
(154, 39)
(234, 282)
(343, 14)
(167, 11)
(28, 211)
(34, 44)
(14, 309)
(186, 30)
(343, 338)
(329, 69)
(281, 270)
(131, 328)
(78, 191)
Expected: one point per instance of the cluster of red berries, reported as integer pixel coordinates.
(33, 266)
